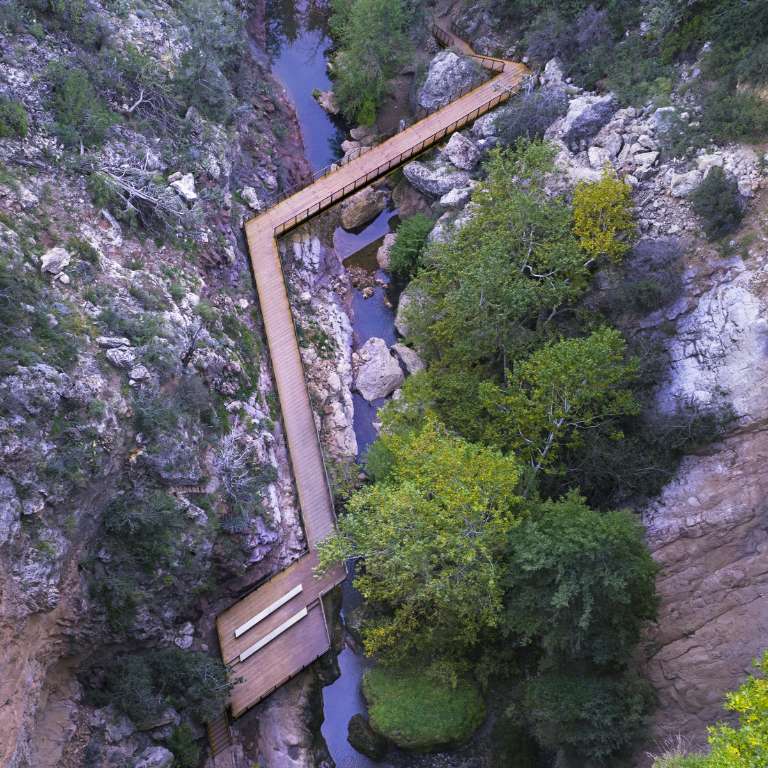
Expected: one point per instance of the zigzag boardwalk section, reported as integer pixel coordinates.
(280, 628)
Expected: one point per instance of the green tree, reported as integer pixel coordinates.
(431, 532)
(603, 219)
(587, 716)
(579, 583)
(504, 276)
(743, 746)
(562, 389)
(406, 255)
(373, 44)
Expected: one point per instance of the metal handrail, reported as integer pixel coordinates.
(394, 162)
(488, 62)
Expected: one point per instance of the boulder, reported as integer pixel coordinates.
(408, 200)
(328, 101)
(553, 73)
(154, 757)
(449, 74)
(598, 156)
(378, 373)
(485, 127)
(456, 198)
(109, 342)
(409, 358)
(362, 207)
(382, 255)
(364, 739)
(682, 184)
(663, 119)
(55, 259)
(139, 373)
(121, 357)
(586, 116)
(184, 186)
(434, 181)
(462, 152)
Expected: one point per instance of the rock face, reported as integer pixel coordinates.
(436, 180)
(448, 76)
(378, 373)
(362, 207)
(462, 152)
(708, 533)
(155, 757)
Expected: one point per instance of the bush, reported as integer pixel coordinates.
(603, 218)
(718, 203)
(731, 115)
(183, 744)
(530, 114)
(143, 685)
(14, 123)
(590, 717)
(82, 119)
(416, 712)
(406, 253)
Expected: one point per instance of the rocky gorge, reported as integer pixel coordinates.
(705, 529)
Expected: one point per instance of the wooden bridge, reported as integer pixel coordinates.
(280, 628)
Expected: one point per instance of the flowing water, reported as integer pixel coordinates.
(298, 45)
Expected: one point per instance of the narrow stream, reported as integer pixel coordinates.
(298, 44)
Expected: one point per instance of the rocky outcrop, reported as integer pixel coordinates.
(383, 253)
(409, 358)
(436, 179)
(448, 76)
(377, 373)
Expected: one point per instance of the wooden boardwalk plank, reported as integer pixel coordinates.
(297, 645)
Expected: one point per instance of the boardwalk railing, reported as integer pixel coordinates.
(445, 38)
(394, 162)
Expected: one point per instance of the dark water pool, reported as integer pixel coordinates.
(298, 44)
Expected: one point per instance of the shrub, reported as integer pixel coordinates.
(718, 203)
(416, 712)
(143, 685)
(602, 217)
(183, 744)
(406, 253)
(590, 717)
(82, 119)
(531, 114)
(732, 115)
(13, 119)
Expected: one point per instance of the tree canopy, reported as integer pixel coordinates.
(431, 532)
(579, 583)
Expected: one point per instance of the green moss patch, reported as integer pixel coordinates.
(418, 713)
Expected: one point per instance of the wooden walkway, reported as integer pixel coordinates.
(280, 628)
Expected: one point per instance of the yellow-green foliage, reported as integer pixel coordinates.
(745, 746)
(602, 216)
(431, 530)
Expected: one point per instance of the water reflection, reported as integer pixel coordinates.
(298, 44)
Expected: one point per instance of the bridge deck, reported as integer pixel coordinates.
(277, 630)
